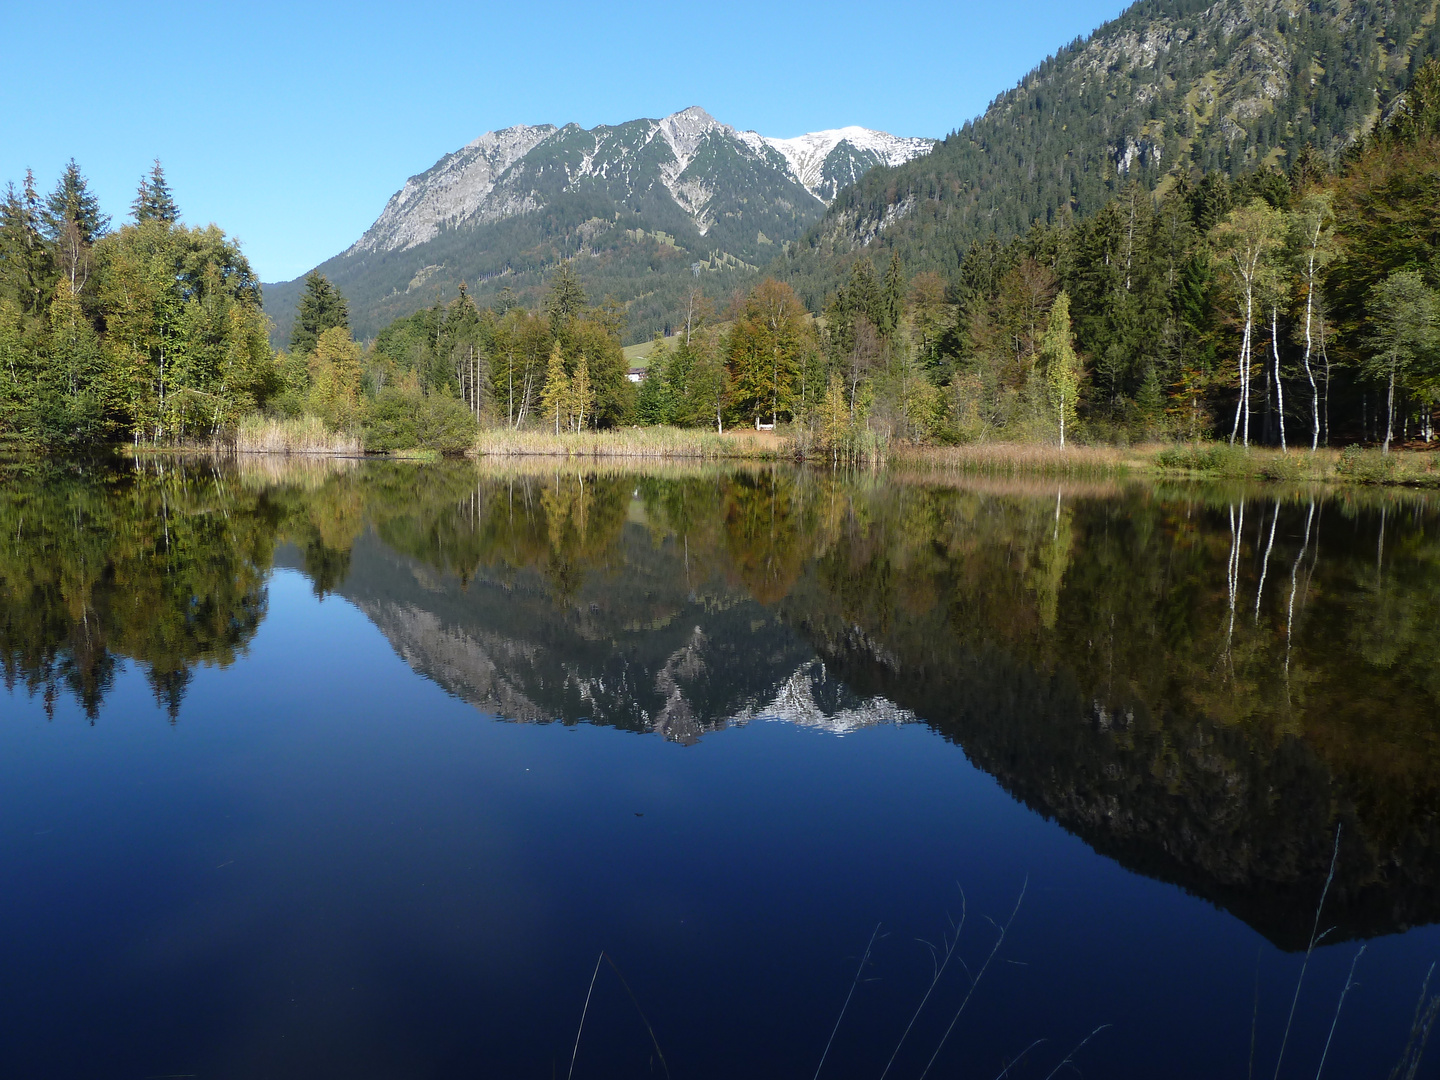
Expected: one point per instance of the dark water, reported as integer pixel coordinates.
(354, 770)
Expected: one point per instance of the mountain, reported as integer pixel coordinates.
(1171, 86)
(645, 207)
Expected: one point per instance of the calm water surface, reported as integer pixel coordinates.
(355, 770)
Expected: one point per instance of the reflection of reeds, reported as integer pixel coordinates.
(253, 471)
(306, 472)
(305, 435)
(539, 467)
(647, 442)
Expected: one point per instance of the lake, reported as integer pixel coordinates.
(375, 769)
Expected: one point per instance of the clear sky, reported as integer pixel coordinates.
(290, 124)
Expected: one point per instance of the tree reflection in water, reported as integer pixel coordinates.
(1202, 682)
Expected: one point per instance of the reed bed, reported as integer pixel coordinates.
(647, 442)
(1220, 461)
(305, 435)
(544, 467)
(1353, 465)
(1006, 459)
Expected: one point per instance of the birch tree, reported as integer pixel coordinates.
(1312, 240)
(1062, 366)
(1403, 335)
(1246, 241)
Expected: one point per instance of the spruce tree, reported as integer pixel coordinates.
(322, 307)
(154, 202)
(567, 297)
(73, 203)
(25, 264)
(72, 223)
(892, 298)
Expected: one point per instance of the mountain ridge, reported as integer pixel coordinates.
(684, 192)
(1168, 87)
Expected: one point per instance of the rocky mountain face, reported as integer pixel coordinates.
(675, 196)
(1170, 86)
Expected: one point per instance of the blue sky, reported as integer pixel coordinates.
(289, 125)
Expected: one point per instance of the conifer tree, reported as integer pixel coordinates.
(892, 299)
(322, 307)
(72, 224)
(73, 203)
(24, 256)
(555, 398)
(154, 201)
(655, 404)
(567, 298)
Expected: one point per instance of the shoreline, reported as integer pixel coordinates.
(1369, 466)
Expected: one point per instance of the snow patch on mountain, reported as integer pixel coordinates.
(808, 155)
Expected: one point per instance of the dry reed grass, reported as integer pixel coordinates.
(1020, 459)
(545, 467)
(306, 435)
(647, 442)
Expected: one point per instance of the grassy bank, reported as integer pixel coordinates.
(646, 442)
(994, 460)
(1352, 465)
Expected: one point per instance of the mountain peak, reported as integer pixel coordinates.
(474, 185)
(514, 201)
(694, 115)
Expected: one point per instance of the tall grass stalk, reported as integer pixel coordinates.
(1425, 1013)
(606, 957)
(643, 1018)
(975, 982)
(1349, 982)
(1019, 1058)
(855, 982)
(1019, 459)
(939, 971)
(1068, 1058)
(575, 1052)
(1315, 936)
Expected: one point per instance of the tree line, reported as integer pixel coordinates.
(1290, 308)
(149, 332)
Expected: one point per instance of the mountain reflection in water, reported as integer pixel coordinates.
(1201, 682)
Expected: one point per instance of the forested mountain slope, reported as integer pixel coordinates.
(644, 208)
(1170, 85)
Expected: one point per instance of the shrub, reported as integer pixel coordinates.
(1216, 459)
(404, 418)
(1367, 466)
